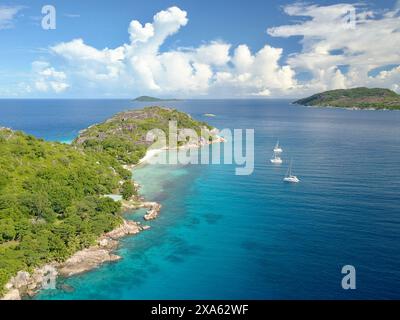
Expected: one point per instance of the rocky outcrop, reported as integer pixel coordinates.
(130, 205)
(153, 208)
(25, 283)
(153, 211)
(127, 228)
(86, 260)
(12, 294)
(92, 257)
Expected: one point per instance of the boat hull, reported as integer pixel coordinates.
(291, 179)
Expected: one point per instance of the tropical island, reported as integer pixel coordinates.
(54, 205)
(356, 98)
(153, 99)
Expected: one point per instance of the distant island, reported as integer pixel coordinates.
(152, 99)
(357, 98)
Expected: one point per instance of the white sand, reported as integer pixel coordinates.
(150, 154)
(153, 152)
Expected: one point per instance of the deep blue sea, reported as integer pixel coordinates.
(223, 236)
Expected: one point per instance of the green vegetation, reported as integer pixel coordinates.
(152, 99)
(51, 202)
(128, 190)
(360, 98)
(51, 194)
(124, 136)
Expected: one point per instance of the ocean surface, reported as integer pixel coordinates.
(224, 236)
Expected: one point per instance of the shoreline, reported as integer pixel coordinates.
(345, 108)
(29, 284)
(153, 152)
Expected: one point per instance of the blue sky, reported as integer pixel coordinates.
(207, 48)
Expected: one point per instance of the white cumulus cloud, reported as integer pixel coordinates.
(339, 37)
(7, 16)
(47, 79)
(342, 45)
(211, 68)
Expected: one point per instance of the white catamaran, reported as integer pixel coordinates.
(289, 177)
(276, 159)
(277, 148)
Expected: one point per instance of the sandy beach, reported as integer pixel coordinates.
(154, 152)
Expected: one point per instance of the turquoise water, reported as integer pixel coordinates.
(225, 236)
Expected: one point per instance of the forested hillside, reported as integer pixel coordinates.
(52, 200)
(359, 98)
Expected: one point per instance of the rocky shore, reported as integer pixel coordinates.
(92, 257)
(28, 284)
(153, 208)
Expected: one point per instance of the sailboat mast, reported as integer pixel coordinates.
(288, 171)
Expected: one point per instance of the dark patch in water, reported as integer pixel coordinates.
(180, 249)
(212, 218)
(192, 222)
(160, 197)
(250, 245)
(174, 258)
(67, 288)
